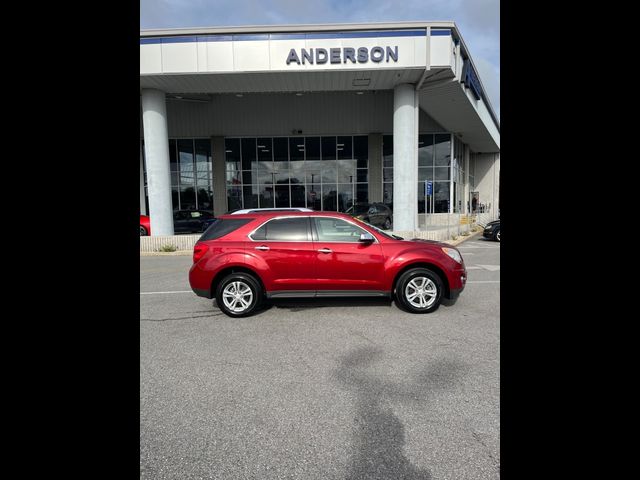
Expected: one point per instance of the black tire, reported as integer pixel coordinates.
(496, 235)
(387, 224)
(226, 289)
(143, 231)
(421, 278)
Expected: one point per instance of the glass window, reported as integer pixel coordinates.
(298, 194)
(362, 193)
(205, 198)
(280, 149)
(346, 171)
(234, 198)
(329, 197)
(187, 198)
(221, 227)
(425, 150)
(250, 198)
(328, 148)
(425, 173)
(387, 150)
(345, 148)
(361, 150)
(363, 175)
(265, 149)
(296, 148)
(232, 153)
(282, 195)
(442, 173)
(443, 149)
(441, 197)
(203, 150)
(248, 152)
(173, 156)
(293, 229)
(337, 230)
(345, 196)
(266, 195)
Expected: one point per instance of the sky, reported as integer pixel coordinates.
(478, 20)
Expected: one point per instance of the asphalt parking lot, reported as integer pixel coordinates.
(319, 389)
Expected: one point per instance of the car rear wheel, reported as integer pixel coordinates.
(419, 290)
(239, 295)
(387, 224)
(143, 231)
(496, 236)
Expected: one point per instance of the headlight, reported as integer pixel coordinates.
(453, 253)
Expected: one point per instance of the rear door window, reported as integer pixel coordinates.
(292, 229)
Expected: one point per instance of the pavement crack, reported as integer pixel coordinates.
(487, 450)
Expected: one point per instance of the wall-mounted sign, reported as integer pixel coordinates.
(470, 79)
(428, 188)
(320, 56)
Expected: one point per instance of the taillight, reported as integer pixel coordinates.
(198, 251)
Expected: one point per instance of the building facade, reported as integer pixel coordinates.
(320, 116)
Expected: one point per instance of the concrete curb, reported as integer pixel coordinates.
(463, 238)
(162, 254)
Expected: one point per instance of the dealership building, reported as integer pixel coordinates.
(318, 116)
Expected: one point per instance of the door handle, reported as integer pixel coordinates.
(262, 247)
(325, 250)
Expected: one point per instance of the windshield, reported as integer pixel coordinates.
(381, 232)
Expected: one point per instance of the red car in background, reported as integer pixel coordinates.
(243, 259)
(184, 221)
(145, 225)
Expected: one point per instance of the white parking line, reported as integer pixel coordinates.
(161, 293)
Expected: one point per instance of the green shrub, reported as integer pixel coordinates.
(168, 248)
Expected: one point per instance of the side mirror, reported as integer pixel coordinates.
(366, 237)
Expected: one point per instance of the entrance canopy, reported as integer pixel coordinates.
(196, 63)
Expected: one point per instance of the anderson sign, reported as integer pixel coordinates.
(341, 55)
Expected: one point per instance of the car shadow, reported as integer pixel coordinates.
(377, 450)
(301, 304)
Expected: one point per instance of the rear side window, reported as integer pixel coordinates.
(221, 227)
(284, 230)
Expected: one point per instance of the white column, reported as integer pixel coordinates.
(405, 158)
(156, 149)
(143, 207)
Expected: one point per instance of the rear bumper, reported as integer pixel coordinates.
(202, 292)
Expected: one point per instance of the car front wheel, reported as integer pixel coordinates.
(143, 231)
(239, 295)
(496, 236)
(387, 224)
(419, 290)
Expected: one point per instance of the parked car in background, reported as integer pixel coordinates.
(376, 214)
(243, 259)
(184, 221)
(492, 230)
(145, 225)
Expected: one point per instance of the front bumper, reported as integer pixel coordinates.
(487, 233)
(458, 284)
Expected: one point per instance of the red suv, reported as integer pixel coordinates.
(242, 259)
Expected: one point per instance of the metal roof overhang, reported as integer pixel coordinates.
(441, 96)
